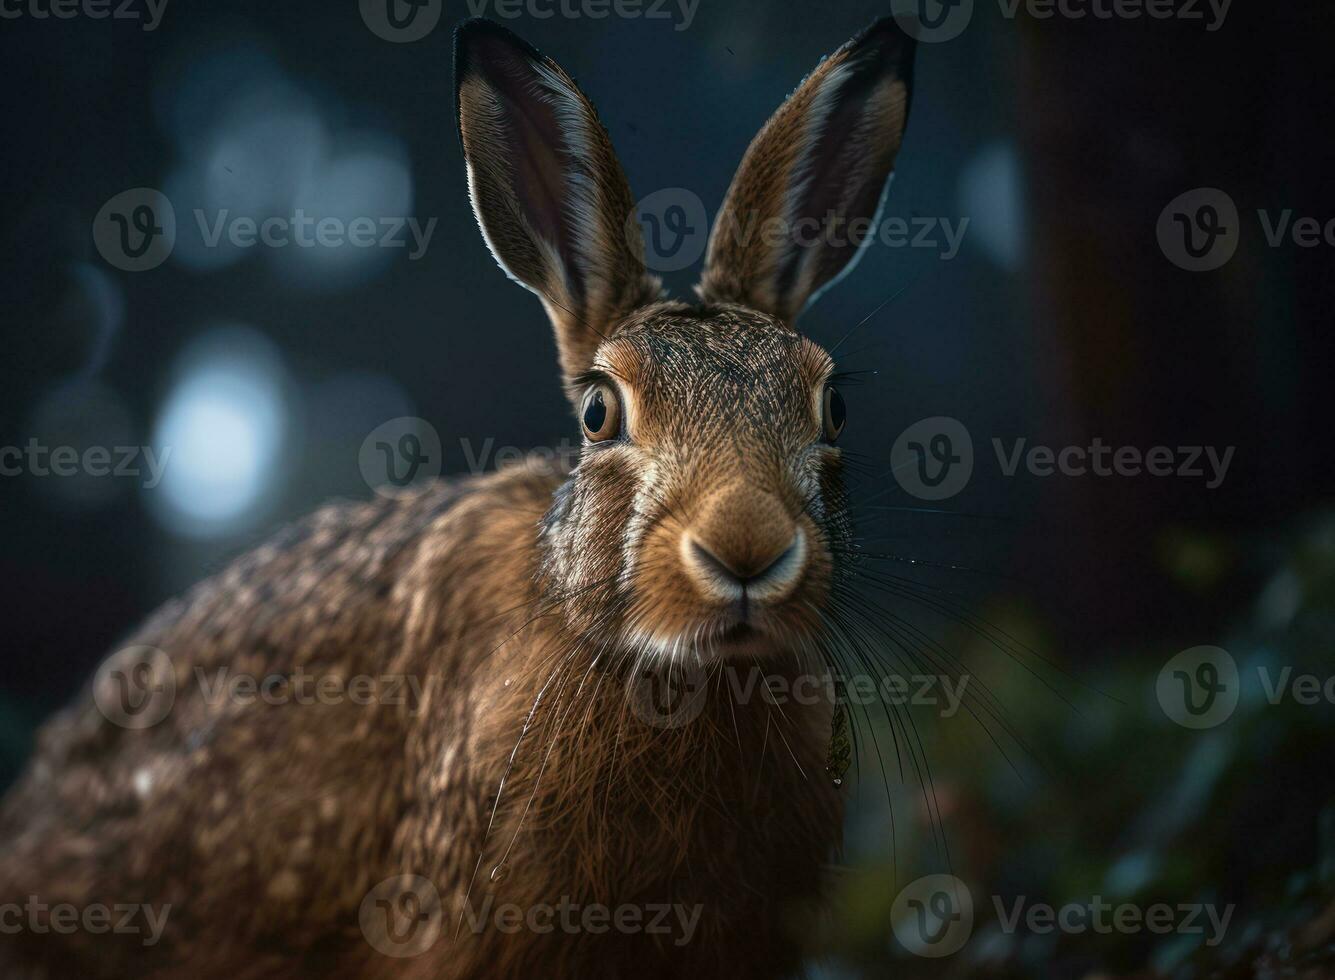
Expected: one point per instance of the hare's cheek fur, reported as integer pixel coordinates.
(696, 552)
(583, 542)
(677, 611)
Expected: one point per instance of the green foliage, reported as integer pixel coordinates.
(1106, 797)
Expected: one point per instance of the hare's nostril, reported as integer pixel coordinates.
(710, 561)
(732, 578)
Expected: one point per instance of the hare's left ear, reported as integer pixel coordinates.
(547, 189)
(810, 185)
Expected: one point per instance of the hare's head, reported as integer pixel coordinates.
(706, 515)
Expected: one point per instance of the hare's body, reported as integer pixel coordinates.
(410, 738)
(261, 860)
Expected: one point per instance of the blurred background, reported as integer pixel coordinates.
(244, 381)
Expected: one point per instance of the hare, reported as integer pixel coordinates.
(506, 800)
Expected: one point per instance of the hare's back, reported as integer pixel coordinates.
(262, 794)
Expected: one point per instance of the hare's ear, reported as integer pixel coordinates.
(810, 185)
(547, 189)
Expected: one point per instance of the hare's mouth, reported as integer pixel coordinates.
(718, 597)
(742, 632)
(725, 637)
(742, 639)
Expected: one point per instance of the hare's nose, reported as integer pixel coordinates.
(745, 545)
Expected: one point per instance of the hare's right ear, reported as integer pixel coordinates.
(810, 184)
(547, 189)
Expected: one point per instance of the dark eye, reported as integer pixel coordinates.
(601, 414)
(833, 414)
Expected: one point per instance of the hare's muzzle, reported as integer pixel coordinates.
(745, 548)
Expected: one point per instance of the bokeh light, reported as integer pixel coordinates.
(81, 415)
(222, 429)
(991, 194)
(260, 152)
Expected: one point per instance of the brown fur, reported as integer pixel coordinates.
(588, 277)
(825, 156)
(529, 606)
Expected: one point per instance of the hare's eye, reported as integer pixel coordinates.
(601, 414)
(833, 414)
